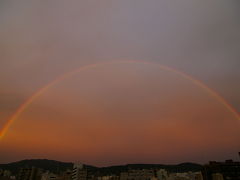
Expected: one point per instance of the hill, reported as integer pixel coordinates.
(57, 166)
(45, 164)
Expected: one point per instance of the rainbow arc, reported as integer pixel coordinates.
(28, 102)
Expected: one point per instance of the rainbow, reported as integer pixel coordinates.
(28, 102)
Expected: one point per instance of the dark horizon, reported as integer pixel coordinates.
(78, 161)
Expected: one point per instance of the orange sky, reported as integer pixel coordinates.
(124, 113)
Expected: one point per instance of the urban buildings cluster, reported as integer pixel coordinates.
(228, 170)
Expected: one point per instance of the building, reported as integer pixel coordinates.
(162, 174)
(112, 177)
(79, 172)
(49, 176)
(143, 174)
(67, 175)
(29, 174)
(185, 176)
(229, 170)
(217, 176)
(198, 176)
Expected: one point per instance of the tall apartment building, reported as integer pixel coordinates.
(79, 172)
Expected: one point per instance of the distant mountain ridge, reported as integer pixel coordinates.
(45, 164)
(57, 166)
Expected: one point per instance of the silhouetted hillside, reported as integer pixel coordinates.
(56, 167)
(51, 165)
